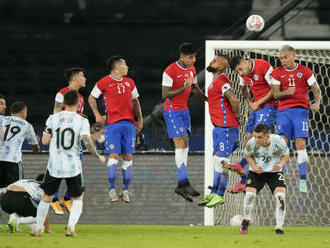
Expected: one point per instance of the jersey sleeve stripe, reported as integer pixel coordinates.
(167, 80)
(275, 82)
(135, 93)
(96, 92)
(59, 98)
(268, 76)
(311, 80)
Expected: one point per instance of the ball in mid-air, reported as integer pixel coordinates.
(255, 23)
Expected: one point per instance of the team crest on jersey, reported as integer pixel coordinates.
(248, 181)
(255, 77)
(181, 129)
(112, 146)
(299, 74)
(127, 84)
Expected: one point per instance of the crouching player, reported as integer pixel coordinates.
(266, 153)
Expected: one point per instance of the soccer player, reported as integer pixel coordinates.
(76, 80)
(97, 133)
(255, 76)
(2, 105)
(291, 83)
(179, 78)
(266, 154)
(63, 132)
(15, 130)
(122, 104)
(224, 111)
(21, 199)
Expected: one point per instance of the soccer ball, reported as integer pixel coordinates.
(236, 220)
(255, 23)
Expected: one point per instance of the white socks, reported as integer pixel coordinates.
(75, 213)
(280, 209)
(42, 212)
(185, 155)
(26, 220)
(179, 158)
(248, 205)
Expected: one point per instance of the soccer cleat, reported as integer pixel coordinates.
(244, 227)
(237, 167)
(70, 233)
(125, 196)
(182, 192)
(36, 233)
(191, 191)
(303, 186)
(216, 200)
(12, 223)
(239, 188)
(67, 204)
(279, 231)
(113, 195)
(207, 199)
(56, 206)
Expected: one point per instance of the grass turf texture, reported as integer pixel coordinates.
(170, 236)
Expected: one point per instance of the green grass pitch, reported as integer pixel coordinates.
(140, 236)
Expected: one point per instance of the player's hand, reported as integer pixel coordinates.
(102, 159)
(258, 169)
(139, 126)
(277, 167)
(187, 83)
(254, 106)
(290, 91)
(1, 132)
(99, 119)
(315, 106)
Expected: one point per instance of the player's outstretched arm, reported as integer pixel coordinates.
(91, 148)
(197, 91)
(93, 104)
(234, 102)
(317, 96)
(138, 114)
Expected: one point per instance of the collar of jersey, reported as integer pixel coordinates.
(291, 69)
(181, 66)
(253, 64)
(114, 78)
(218, 75)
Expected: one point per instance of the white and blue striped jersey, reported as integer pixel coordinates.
(32, 187)
(269, 156)
(14, 131)
(64, 149)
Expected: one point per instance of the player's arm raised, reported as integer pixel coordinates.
(317, 96)
(91, 148)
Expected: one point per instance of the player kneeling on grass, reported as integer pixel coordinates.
(20, 200)
(266, 153)
(64, 130)
(224, 112)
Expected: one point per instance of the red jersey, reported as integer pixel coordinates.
(220, 109)
(117, 97)
(259, 80)
(300, 77)
(174, 76)
(60, 98)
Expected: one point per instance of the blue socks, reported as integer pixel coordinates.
(216, 182)
(224, 178)
(112, 172)
(127, 170)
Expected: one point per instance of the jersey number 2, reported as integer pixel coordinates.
(60, 137)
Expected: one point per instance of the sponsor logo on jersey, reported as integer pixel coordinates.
(283, 76)
(179, 75)
(186, 74)
(255, 77)
(181, 129)
(127, 84)
(299, 74)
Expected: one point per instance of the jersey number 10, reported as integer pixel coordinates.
(60, 138)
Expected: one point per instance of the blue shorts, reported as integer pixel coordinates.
(293, 123)
(177, 122)
(266, 116)
(225, 140)
(120, 137)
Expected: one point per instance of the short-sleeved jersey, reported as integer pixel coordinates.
(300, 77)
(174, 76)
(15, 131)
(60, 98)
(32, 187)
(259, 80)
(221, 112)
(117, 97)
(269, 156)
(67, 129)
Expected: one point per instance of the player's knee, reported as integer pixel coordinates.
(126, 164)
(250, 196)
(301, 144)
